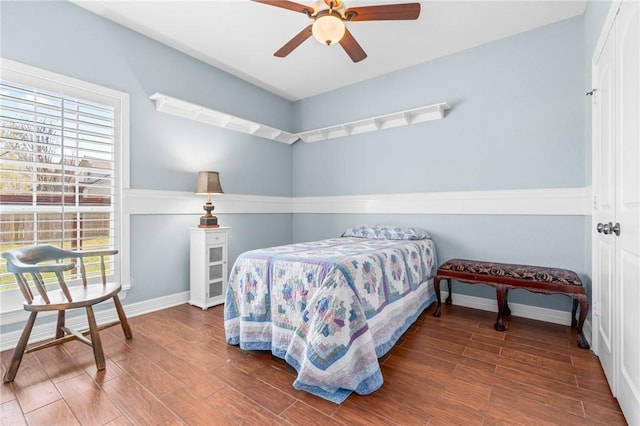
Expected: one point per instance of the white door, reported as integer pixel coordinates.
(628, 208)
(616, 215)
(604, 204)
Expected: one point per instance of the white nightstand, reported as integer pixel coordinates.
(208, 272)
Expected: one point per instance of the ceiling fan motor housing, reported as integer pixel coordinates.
(333, 6)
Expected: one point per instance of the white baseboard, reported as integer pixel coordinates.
(519, 310)
(587, 330)
(47, 331)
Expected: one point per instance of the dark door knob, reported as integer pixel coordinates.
(600, 227)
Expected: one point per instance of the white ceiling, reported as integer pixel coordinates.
(240, 37)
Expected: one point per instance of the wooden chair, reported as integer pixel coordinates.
(38, 262)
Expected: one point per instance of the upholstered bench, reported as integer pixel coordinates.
(504, 276)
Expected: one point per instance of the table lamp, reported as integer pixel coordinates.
(208, 183)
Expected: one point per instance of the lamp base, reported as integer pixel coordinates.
(208, 222)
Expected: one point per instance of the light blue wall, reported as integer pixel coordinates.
(160, 251)
(519, 239)
(518, 121)
(165, 151)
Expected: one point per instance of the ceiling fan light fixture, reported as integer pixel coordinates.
(328, 28)
(329, 17)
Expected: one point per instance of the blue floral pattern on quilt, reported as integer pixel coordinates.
(330, 308)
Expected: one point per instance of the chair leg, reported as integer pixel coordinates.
(96, 343)
(16, 359)
(60, 324)
(123, 318)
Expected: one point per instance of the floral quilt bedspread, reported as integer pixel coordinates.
(330, 308)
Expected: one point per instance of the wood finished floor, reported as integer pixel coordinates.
(178, 369)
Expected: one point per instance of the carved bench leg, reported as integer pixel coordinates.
(501, 295)
(574, 309)
(505, 309)
(436, 287)
(584, 308)
(449, 299)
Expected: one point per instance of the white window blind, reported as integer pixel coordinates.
(58, 170)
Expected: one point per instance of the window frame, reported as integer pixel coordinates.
(11, 300)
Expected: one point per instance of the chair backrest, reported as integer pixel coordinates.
(28, 261)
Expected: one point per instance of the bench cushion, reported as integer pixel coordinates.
(511, 272)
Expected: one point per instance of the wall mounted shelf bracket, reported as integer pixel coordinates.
(387, 121)
(199, 113)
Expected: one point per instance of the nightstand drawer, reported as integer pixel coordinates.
(216, 237)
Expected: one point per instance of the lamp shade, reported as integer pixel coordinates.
(208, 183)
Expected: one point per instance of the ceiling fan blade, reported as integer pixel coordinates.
(351, 46)
(294, 42)
(296, 7)
(385, 12)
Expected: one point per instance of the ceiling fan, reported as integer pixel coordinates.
(329, 17)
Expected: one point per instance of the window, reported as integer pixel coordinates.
(60, 162)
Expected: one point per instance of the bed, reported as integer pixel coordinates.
(331, 308)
